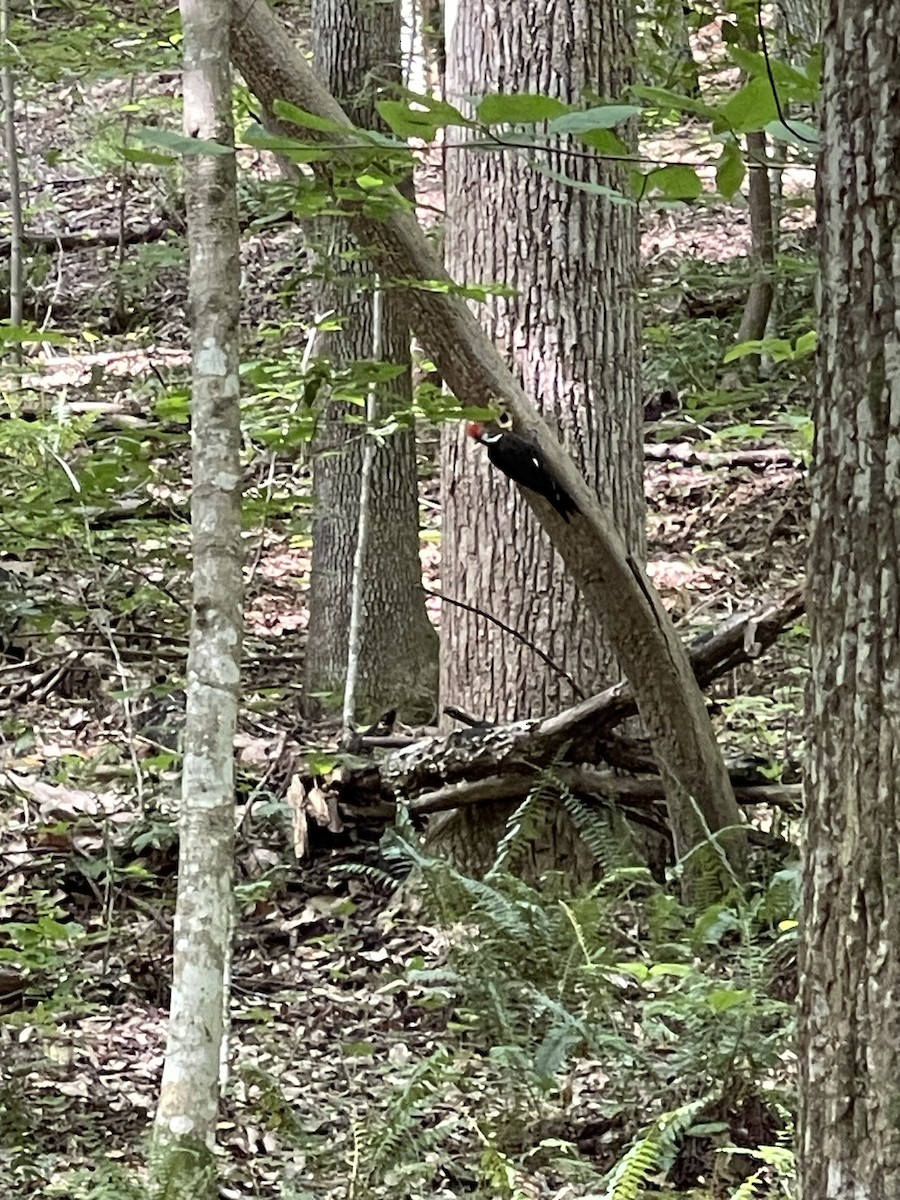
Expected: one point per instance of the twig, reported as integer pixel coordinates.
(520, 637)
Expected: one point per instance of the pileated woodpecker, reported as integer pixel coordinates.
(523, 462)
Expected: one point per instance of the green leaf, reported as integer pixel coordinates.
(678, 970)
(676, 183)
(24, 334)
(180, 144)
(751, 109)
(307, 120)
(604, 142)
(604, 117)
(174, 407)
(131, 154)
(520, 109)
(713, 923)
(793, 86)
(721, 999)
(637, 970)
(707, 1128)
(806, 344)
(730, 170)
(778, 349)
(553, 1053)
(292, 148)
(795, 133)
(582, 185)
(419, 116)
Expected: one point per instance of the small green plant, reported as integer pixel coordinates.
(776, 1179)
(40, 946)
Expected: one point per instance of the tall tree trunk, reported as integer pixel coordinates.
(184, 1133)
(800, 24)
(570, 335)
(763, 232)
(849, 1043)
(357, 48)
(16, 229)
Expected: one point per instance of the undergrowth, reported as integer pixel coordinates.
(609, 1038)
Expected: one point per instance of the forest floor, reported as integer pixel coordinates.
(335, 1037)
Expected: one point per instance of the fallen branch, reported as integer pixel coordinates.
(584, 732)
(584, 779)
(690, 456)
(97, 239)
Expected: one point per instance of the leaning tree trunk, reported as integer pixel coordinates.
(357, 48)
(849, 1042)
(570, 335)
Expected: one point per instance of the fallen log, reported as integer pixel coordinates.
(685, 453)
(644, 791)
(583, 733)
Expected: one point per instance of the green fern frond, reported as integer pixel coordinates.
(779, 1171)
(522, 828)
(633, 1169)
(609, 842)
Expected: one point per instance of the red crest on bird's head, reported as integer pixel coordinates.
(475, 429)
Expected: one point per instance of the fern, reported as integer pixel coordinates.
(522, 827)
(779, 1169)
(401, 1134)
(602, 830)
(371, 874)
(633, 1169)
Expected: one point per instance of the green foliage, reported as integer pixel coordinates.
(775, 1179)
(674, 183)
(39, 945)
(102, 1181)
(401, 1143)
(655, 1150)
(90, 41)
(692, 311)
(778, 349)
(730, 170)
(673, 1001)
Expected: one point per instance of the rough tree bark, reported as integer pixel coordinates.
(185, 1127)
(570, 335)
(356, 48)
(801, 21)
(849, 1038)
(613, 584)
